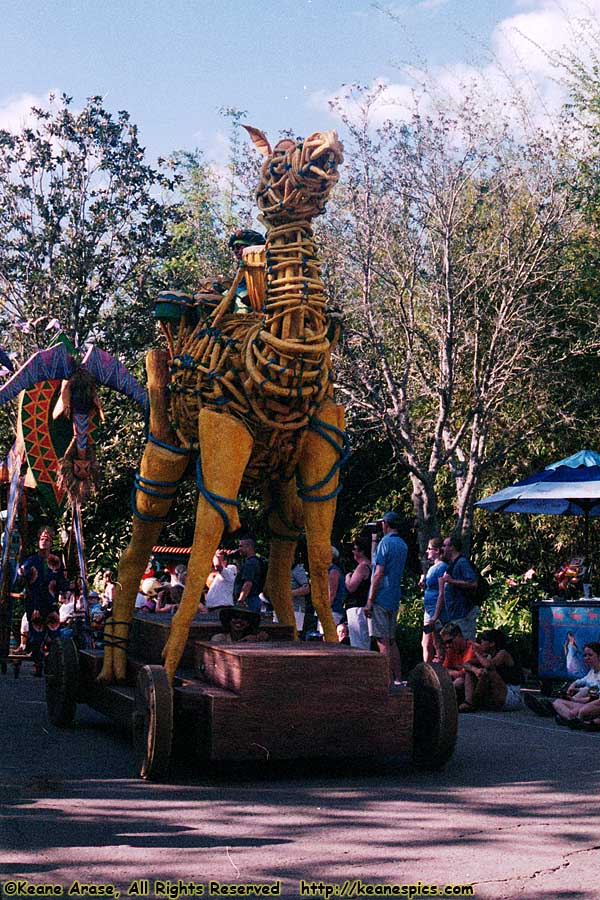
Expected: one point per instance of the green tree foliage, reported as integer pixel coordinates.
(450, 247)
(463, 259)
(84, 232)
(198, 247)
(82, 224)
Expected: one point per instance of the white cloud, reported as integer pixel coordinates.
(215, 144)
(529, 39)
(217, 154)
(519, 71)
(15, 112)
(393, 101)
(432, 4)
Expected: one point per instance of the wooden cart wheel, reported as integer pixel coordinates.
(152, 722)
(435, 720)
(62, 682)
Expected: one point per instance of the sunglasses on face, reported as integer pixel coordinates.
(448, 641)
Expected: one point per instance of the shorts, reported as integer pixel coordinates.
(382, 624)
(513, 699)
(358, 628)
(427, 617)
(468, 624)
(254, 603)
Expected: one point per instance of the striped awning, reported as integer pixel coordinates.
(164, 550)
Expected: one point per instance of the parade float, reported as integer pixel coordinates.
(246, 399)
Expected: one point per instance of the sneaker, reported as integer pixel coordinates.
(591, 726)
(541, 706)
(562, 720)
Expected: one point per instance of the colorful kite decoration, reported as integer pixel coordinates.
(8, 558)
(59, 415)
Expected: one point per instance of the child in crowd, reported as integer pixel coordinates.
(457, 652)
(492, 676)
(580, 708)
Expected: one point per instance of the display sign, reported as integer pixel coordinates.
(561, 632)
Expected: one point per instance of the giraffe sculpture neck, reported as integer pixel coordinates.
(291, 349)
(295, 306)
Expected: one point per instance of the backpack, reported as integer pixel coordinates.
(263, 565)
(482, 591)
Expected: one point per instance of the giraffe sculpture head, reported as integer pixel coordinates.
(297, 177)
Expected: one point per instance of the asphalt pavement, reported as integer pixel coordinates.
(512, 815)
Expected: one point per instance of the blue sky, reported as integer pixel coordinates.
(173, 64)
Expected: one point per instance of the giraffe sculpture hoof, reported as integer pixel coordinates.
(114, 666)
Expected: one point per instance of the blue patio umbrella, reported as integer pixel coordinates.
(570, 487)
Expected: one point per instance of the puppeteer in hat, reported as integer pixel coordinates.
(239, 624)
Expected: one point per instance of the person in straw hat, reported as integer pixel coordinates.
(239, 624)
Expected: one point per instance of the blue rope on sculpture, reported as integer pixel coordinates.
(165, 446)
(141, 484)
(143, 516)
(343, 450)
(214, 499)
(113, 640)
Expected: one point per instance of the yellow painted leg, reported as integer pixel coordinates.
(158, 464)
(317, 459)
(285, 524)
(225, 448)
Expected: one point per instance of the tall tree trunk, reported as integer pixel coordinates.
(426, 512)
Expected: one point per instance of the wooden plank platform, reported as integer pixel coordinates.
(300, 701)
(265, 701)
(149, 633)
(15, 660)
(115, 701)
(252, 669)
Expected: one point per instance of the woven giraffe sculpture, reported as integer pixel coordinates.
(250, 396)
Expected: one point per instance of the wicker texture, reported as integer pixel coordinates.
(269, 368)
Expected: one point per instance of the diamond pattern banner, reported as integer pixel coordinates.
(45, 440)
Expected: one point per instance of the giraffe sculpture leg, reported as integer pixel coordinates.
(225, 448)
(163, 465)
(318, 463)
(285, 524)
(158, 465)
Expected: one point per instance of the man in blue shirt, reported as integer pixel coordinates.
(44, 576)
(386, 591)
(460, 583)
(248, 582)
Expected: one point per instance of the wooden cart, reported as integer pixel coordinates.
(14, 659)
(276, 700)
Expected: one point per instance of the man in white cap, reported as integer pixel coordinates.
(386, 591)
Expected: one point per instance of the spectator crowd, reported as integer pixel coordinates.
(364, 593)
